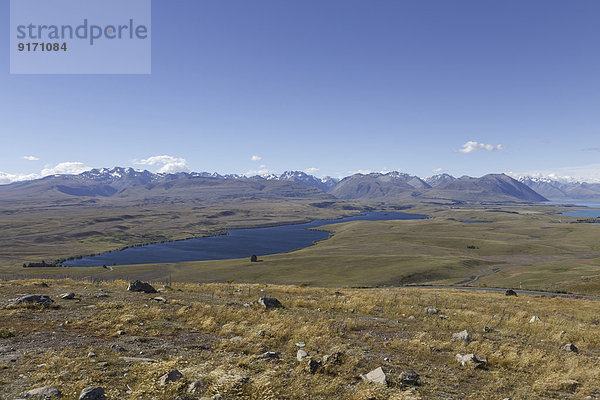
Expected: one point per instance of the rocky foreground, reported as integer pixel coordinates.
(120, 340)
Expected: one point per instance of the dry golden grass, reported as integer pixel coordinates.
(207, 333)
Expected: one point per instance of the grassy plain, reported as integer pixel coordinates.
(208, 334)
(524, 246)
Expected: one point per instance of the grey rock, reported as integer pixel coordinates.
(462, 335)
(67, 296)
(117, 348)
(376, 376)
(470, 360)
(91, 354)
(432, 310)
(171, 376)
(300, 344)
(92, 393)
(535, 319)
(301, 355)
(333, 359)
(409, 377)
(160, 299)
(269, 355)
(139, 286)
(46, 392)
(101, 295)
(570, 347)
(269, 302)
(42, 299)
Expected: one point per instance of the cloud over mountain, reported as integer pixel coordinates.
(168, 164)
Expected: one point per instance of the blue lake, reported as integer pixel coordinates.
(237, 243)
(592, 210)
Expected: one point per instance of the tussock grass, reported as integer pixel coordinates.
(212, 333)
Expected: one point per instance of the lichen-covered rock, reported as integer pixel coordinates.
(376, 376)
(139, 286)
(41, 299)
(46, 392)
(269, 302)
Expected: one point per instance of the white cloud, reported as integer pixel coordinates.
(65, 168)
(68, 168)
(437, 170)
(30, 158)
(168, 164)
(311, 170)
(578, 173)
(256, 158)
(472, 146)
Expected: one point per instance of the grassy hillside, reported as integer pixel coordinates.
(215, 334)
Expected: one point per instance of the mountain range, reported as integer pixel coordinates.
(129, 183)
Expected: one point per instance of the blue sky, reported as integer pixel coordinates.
(327, 86)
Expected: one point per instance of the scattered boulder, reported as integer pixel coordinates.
(409, 377)
(570, 347)
(463, 335)
(67, 296)
(92, 393)
(41, 299)
(534, 319)
(376, 376)
(470, 360)
(432, 310)
(301, 355)
(139, 286)
(510, 292)
(46, 392)
(171, 376)
(269, 302)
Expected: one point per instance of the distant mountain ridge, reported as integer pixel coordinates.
(122, 183)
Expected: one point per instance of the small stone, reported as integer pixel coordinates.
(470, 360)
(91, 354)
(432, 310)
(570, 347)
(120, 332)
(488, 329)
(139, 286)
(101, 295)
(376, 376)
(409, 377)
(333, 359)
(269, 302)
(300, 344)
(117, 348)
(269, 355)
(301, 355)
(462, 335)
(67, 296)
(171, 376)
(534, 319)
(92, 393)
(411, 317)
(160, 299)
(510, 292)
(46, 392)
